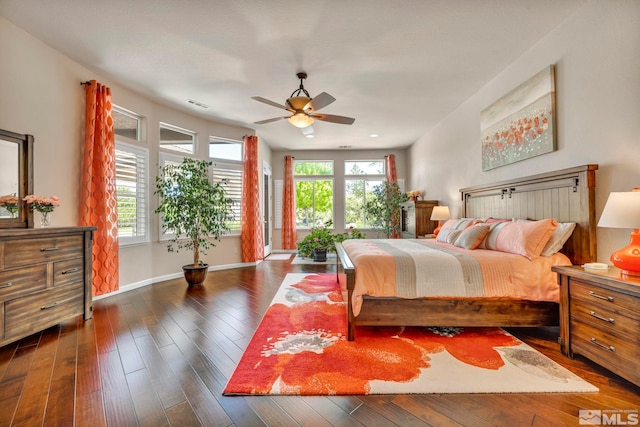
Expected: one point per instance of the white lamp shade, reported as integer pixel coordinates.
(621, 211)
(440, 213)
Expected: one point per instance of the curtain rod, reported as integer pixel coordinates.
(88, 83)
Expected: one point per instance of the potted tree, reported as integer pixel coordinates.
(194, 210)
(383, 210)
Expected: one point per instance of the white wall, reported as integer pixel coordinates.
(596, 53)
(40, 94)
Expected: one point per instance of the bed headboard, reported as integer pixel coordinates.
(568, 195)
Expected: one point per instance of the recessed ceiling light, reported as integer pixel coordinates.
(373, 135)
(309, 136)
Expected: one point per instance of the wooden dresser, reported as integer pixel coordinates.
(416, 218)
(600, 318)
(45, 277)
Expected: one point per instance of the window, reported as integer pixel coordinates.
(226, 155)
(177, 139)
(361, 177)
(126, 124)
(314, 192)
(225, 149)
(165, 159)
(132, 165)
(230, 176)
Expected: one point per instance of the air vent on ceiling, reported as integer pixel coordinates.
(196, 103)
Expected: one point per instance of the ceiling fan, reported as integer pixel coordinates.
(303, 108)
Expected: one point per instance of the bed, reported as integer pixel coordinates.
(567, 195)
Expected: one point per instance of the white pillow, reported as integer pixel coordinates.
(558, 238)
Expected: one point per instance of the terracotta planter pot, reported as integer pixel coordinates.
(195, 274)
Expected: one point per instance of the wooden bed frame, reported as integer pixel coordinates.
(567, 195)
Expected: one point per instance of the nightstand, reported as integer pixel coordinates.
(600, 318)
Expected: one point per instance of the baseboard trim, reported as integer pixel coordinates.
(147, 282)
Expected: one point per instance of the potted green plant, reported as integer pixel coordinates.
(317, 243)
(321, 241)
(383, 210)
(193, 210)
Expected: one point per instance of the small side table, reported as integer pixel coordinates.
(600, 318)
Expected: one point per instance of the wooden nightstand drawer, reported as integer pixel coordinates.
(21, 281)
(18, 253)
(601, 317)
(37, 311)
(616, 354)
(604, 298)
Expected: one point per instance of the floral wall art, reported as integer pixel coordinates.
(521, 124)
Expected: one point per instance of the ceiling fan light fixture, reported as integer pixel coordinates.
(300, 120)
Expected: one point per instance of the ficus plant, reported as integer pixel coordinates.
(193, 209)
(383, 211)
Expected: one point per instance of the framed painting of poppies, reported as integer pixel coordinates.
(521, 124)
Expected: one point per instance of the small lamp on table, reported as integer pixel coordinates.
(623, 211)
(440, 213)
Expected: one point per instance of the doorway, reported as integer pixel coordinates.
(266, 207)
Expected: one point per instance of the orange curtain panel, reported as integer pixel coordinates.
(98, 199)
(392, 173)
(251, 240)
(289, 235)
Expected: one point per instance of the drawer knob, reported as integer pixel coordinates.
(6, 285)
(52, 248)
(47, 307)
(71, 270)
(606, 347)
(593, 294)
(597, 316)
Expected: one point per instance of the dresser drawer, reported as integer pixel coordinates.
(21, 281)
(70, 271)
(40, 310)
(616, 322)
(616, 354)
(601, 297)
(18, 253)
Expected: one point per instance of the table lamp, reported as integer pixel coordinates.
(623, 211)
(440, 213)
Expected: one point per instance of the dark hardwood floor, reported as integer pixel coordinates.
(161, 355)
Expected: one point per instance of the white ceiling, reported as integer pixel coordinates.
(397, 66)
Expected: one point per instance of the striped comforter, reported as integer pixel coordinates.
(413, 268)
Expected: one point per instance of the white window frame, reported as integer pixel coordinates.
(227, 169)
(214, 139)
(163, 159)
(362, 177)
(133, 116)
(141, 156)
(174, 128)
(233, 167)
(313, 178)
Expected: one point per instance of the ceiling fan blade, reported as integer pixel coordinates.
(307, 131)
(320, 101)
(266, 101)
(334, 119)
(275, 119)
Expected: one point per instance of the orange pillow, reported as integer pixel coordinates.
(526, 238)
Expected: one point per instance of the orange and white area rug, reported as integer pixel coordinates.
(300, 348)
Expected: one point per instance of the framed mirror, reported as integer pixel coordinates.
(16, 179)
